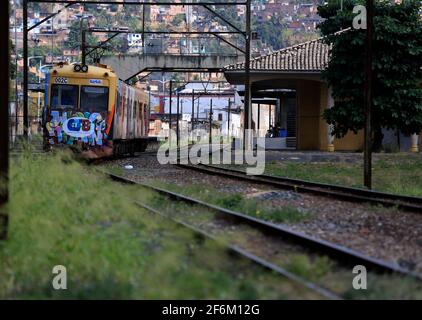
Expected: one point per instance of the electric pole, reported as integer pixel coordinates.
(4, 117)
(367, 164)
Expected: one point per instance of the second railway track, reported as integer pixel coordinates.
(342, 255)
(407, 203)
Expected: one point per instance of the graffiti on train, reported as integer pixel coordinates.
(70, 127)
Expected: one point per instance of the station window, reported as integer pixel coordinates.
(94, 99)
(64, 96)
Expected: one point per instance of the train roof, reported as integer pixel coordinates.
(67, 70)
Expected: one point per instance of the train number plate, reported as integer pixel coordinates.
(60, 80)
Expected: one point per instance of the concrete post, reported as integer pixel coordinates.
(330, 137)
(415, 139)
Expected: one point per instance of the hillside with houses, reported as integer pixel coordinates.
(59, 38)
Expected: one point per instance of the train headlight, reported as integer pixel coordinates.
(77, 68)
(84, 68)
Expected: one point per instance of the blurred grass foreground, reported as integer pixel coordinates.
(63, 213)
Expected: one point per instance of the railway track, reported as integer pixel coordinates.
(236, 250)
(342, 255)
(402, 202)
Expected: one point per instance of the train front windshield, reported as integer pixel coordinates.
(64, 96)
(94, 99)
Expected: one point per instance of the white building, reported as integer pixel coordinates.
(134, 41)
(221, 98)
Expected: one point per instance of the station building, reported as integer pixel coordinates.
(288, 83)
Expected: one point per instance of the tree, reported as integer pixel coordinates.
(75, 37)
(271, 32)
(397, 63)
(178, 19)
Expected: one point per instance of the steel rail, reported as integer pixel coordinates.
(337, 252)
(233, 249)
(403, 202)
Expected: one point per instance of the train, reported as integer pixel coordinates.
(88, 108)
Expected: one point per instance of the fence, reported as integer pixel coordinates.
(16, 125)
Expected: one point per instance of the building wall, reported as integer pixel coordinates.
(308, 115)
(350, 142)
(420, 141)
(312, 100)
(312, 97)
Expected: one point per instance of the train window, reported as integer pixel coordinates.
(94, 99)
(64, 96)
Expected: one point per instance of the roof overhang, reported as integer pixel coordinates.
(238, 76)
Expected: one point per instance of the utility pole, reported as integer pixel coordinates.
(83, 44)
(193, 109)
(367, 163)
(197, 111)
(269, 116)
(178, 119)
(228, 121)
(149, 98)
(210, 137)
(143, 29)
(4, 117)
(170, 96)
(25, 68)
(247, 98)
(39, 97)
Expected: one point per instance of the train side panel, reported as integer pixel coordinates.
(131, 106)
(130, 127)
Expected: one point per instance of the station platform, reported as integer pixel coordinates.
(312, 156)
(333, 157)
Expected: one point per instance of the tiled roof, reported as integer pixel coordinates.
(308, 56)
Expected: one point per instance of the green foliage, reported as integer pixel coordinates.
(178, 19)
(276, 34)
(230, 201)
(313, 270)
(271, 32)
(379, 289)
(397, 63)
(237, 202)
(64, 214)
(404, 173)
(75, 36)
(288, 214)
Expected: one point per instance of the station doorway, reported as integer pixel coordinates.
(274, 117)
